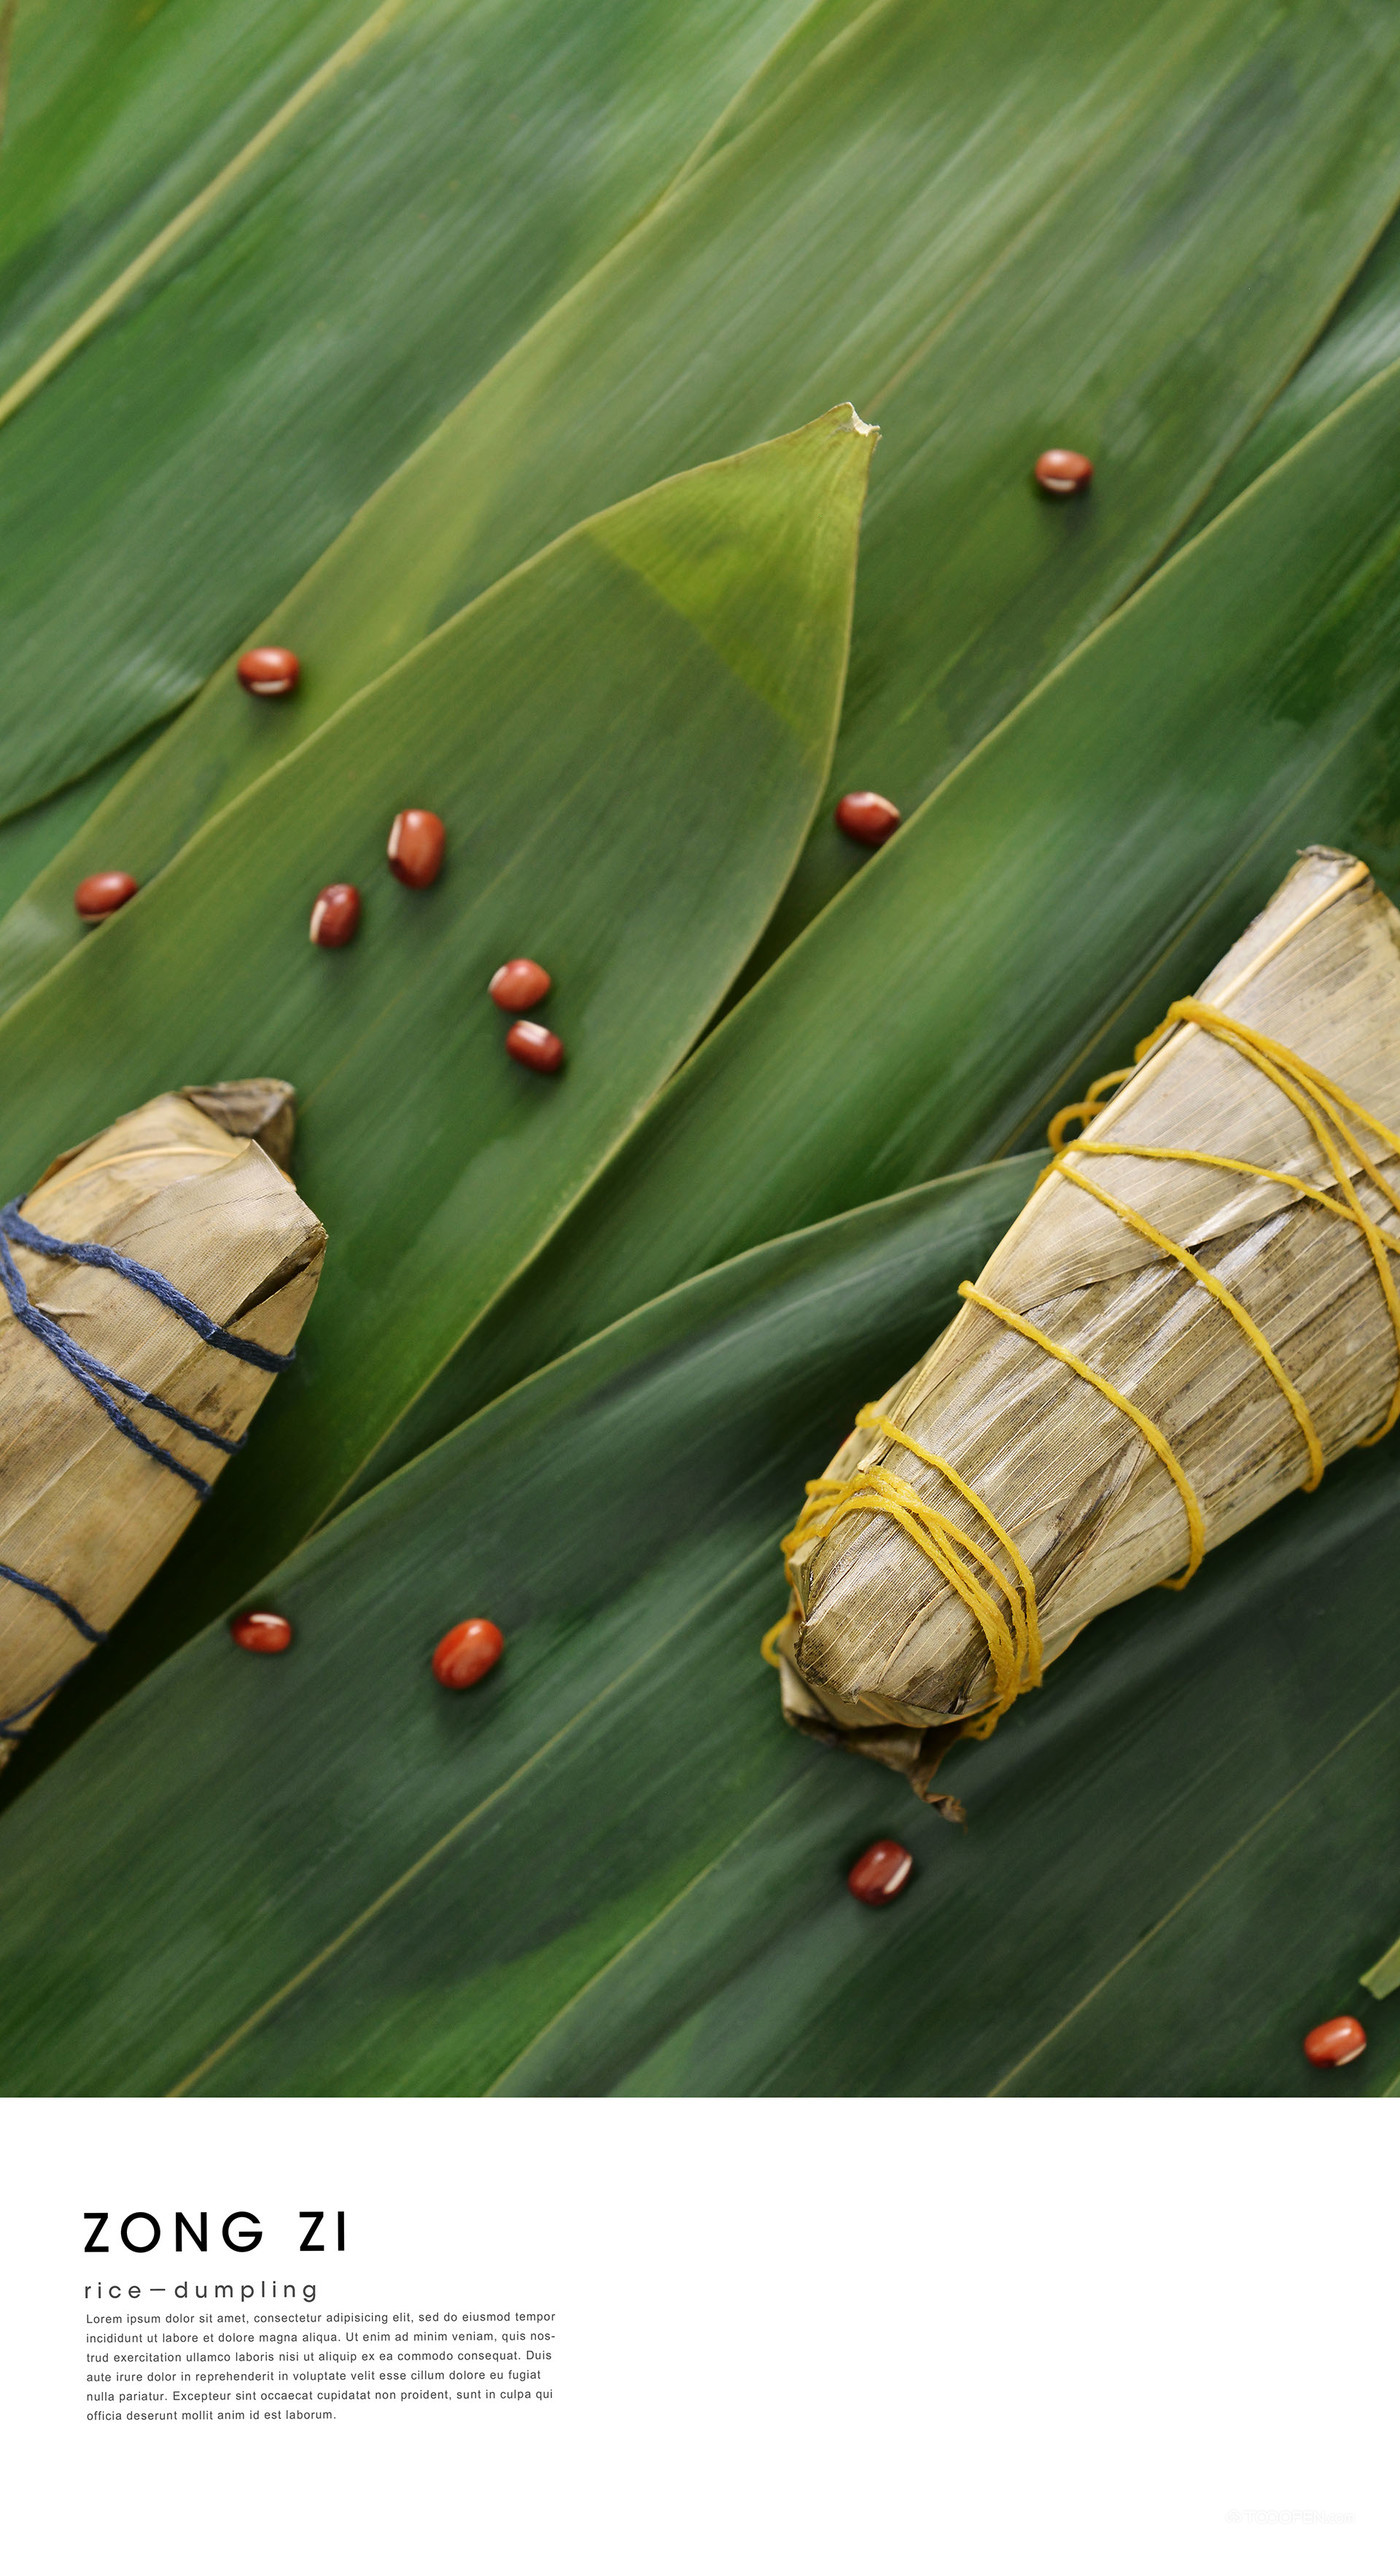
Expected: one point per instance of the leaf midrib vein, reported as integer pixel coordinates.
(100, 309)
(742, 1837)
(657, 1919)
(1115, 1969)
(1183, 924)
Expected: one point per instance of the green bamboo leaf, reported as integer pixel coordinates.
(1361, 340)
(625, 741)
(820, 27)
(617, 1517)
(1383, 1975)
(7, 40)
(991, 233)
(29, 844)
(1172, 1871)
(250, 256)
(612, 1869)
(117, 120)
(1086, 865)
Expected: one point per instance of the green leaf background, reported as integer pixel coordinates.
(339, 282)
(612, 1869)
(1092, 858)
(586, 730)
(423, 363)
(987, 231)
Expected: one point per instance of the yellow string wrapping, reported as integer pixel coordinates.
(1195, 1524)
(1013, 1636)
(1215, 1287)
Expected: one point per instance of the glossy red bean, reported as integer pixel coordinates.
(417, 842)
(531, 1044)
(520, 983)
(103, 893)
(866, 817)
(1061, 473)
(335, 917)
(269, 672)
(260, 1630)
(467, 1652)
(881, 1873)
(1331, 2045)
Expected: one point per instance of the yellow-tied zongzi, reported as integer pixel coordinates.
(1196, 1311)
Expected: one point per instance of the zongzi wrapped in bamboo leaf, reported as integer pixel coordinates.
(154, 1283)
(1195, 1313)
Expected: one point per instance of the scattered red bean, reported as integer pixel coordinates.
(467, 1652)
(103, 893)
(531, 1044)
(335, 917)
(1063, 474)
(881, 1873)
(417, 841)
(518, 984)
(260, 1630)
(268, 672)
(1331, 2045)
(866, 817)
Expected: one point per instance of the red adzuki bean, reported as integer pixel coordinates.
(335, 917)
(531, 1044)
(269, 672)
(261, 1630)
(518, 984)
(1331, 2045)
(1061, 473)
(467, 1652)
(103, 893)
(881, 1873)
(867, 818)
(417, 842)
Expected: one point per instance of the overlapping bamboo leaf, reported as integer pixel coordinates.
(625, 741)
(116, 119)
(355, 211)
(611, 1869)
(29, 844)
(1087, 865)
(602, 1520)
(1361, 340)
(992, 233)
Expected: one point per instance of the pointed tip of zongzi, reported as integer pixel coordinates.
(261, 1107)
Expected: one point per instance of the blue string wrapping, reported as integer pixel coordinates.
(19, 1723)
(96, 1378)
(41, 1589)
(100, 1256)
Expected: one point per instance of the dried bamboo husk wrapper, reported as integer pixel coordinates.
(880, 1654)
(192, 1187)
